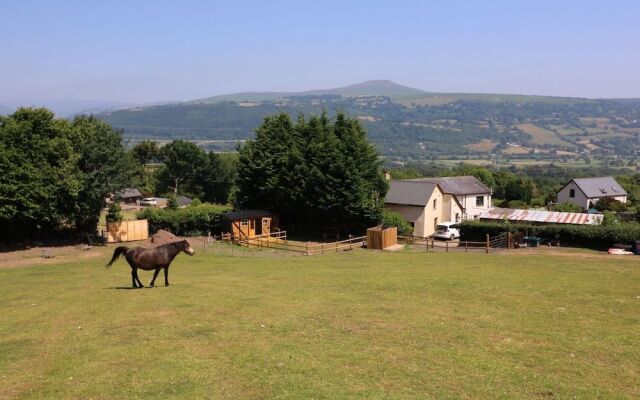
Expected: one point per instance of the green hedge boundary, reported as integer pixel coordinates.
(189, 221)
(590, 236)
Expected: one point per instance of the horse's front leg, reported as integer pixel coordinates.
(166, 275)
(155, 275)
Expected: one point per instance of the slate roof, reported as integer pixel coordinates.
(128, 193)
(605, 186)
(457, 185)
(248, 214)
(410, 192)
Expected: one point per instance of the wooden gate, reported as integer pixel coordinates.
(127, 231)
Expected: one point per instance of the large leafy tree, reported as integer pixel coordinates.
(183, 163)
(104, 167)
(55, 174)
(319, 173)
(38, 175)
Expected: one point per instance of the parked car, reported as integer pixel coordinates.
(447, 230)
(149, 202)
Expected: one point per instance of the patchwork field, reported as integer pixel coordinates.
(361, 324)
(541, 135)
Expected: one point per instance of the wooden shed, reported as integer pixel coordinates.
(382, 237)
(247, 224)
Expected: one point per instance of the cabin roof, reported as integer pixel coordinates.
(128, 193)
(247, 214)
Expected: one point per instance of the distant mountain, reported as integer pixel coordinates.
(408, 123)
(368, 88)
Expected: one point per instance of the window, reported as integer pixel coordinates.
(479, 201)
(572, 193)
(457, 217)
(435, 204)
(244, 222)
(435, 222)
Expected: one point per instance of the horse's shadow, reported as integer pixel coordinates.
(131, 288)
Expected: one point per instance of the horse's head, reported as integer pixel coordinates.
(186, 247)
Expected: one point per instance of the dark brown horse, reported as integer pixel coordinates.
(151, 259)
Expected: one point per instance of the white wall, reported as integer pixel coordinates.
(469, 203)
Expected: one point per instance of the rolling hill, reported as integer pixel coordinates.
(408, 123)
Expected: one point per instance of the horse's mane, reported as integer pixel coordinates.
(172, 244)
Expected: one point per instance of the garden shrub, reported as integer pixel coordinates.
(591, 236)
(188, 221)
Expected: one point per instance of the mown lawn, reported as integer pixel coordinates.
(354, 325)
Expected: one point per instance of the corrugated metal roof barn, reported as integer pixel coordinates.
(540, 217)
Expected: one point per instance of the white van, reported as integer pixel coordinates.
(447, 230)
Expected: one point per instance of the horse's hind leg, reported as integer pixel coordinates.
(155, 275)
(166, 275)
(133, 279)
(135, 272)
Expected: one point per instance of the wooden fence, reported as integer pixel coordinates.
(277, 241)
(127, 231)
(431, 244)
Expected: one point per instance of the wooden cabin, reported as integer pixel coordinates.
(250, 223)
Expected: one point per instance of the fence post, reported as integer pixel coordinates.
(426, 244)
(508, 240)
(336, 246)
(487, 249)
(321, 249)
(466, 247)
(307, 249)
(446, 246)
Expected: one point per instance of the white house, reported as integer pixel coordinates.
(474, 196)
(422, 204)
(586, 192)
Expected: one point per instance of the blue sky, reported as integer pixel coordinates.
(146, 51)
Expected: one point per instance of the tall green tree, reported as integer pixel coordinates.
(104, 167)
(55, 174)
(317, 173)
(183, 162)
(145, 151)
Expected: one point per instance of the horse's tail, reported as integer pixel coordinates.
(120, 250)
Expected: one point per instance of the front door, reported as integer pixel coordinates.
(266, 226)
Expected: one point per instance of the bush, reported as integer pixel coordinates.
(566, 207)
(391, 218)
(114, 212)
(591, 236)
(189, 221)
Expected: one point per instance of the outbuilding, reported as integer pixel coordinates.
(249, 223)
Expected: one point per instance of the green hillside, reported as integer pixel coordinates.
(409, 123)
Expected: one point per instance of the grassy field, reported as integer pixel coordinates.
(353, 325)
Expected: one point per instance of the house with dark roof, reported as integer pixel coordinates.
(129, 195)
(423, 204)
(586, 192)
(473, 196)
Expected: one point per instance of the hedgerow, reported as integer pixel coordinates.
(188, 221)
(591, 236)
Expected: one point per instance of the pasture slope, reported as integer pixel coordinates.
(353, 325)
